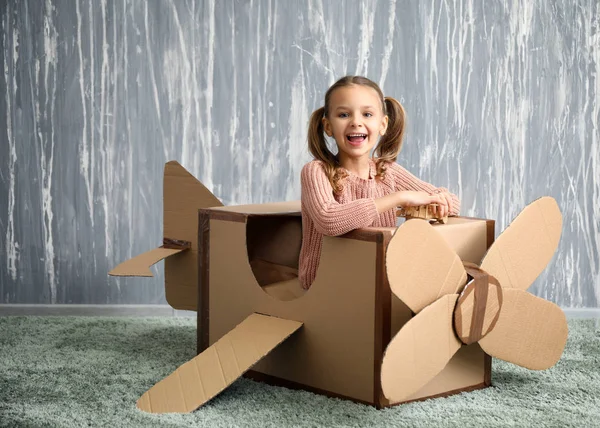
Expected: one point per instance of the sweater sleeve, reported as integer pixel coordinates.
(329, 216)
(404, 180)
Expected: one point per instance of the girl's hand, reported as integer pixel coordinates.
(446, 196)
(411, 198)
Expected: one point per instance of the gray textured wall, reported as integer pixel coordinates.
(97, 95)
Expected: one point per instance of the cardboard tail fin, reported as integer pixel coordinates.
(183, 196)
(140, 265)
(202, 378)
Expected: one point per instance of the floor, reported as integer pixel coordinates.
(167, 311)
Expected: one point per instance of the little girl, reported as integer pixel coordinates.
(350, 190)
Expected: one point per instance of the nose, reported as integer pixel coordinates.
(356, 121)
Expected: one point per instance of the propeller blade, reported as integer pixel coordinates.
(526, 246)
(420, 350)
(203, 377)
(421, 266)
(531, 332)
(140, 264)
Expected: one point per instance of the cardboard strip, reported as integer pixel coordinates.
(202, 378)
(524, 249)
(531, 332)
(140, 265)
(478, 306)
(421, 266)
(383, 313)
(420, 350)
(176, 244)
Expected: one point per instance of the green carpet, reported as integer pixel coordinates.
(81, 371)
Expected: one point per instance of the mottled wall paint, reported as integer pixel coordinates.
(97, 95)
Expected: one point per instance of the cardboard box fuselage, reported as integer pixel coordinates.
(349, 313)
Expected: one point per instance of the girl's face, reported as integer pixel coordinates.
(356, 120)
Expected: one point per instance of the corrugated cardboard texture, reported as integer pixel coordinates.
(425, 212)
(334, 352)
(285, 290)
(465, 371)
(468, 305)
(427, 269)
(274, 239)
(530, 331)
(466, 237)
(335, 349)
(420, 350)
(469, 238)
(290, 207)
(183, 195)
(205, 376)
(523, 250)
(140, 265)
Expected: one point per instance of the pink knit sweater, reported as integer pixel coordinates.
(324, 213)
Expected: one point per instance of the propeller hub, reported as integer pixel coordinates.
(478, 307)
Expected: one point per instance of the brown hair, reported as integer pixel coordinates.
(386, 151)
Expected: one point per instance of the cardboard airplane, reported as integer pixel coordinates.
(393, 315)
(424, 212)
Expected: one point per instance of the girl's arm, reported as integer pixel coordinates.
(329, 216)
(404, 180)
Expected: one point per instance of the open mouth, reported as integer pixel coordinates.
(356, 139)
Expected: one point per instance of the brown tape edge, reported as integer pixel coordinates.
(227, 215)
(202, 319)
(277, 381)
(487, 369)
(445, 394)
(364, 235)
(380, 404)
(176, 244)
(383, 313)
(487, 359)
(491, 232)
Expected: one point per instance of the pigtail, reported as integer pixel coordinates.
(390, 144)
(318, 148)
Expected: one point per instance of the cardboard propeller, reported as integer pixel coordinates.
(492, 309)
(183, 195)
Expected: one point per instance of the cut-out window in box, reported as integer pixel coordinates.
(273, 244)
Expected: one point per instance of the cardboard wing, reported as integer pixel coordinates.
(493, 307)
(140, 265)
(183, 196)
(202, 378)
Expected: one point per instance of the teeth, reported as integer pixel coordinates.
(357, 135)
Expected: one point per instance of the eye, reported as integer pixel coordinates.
(343, 115)
(368, 114)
